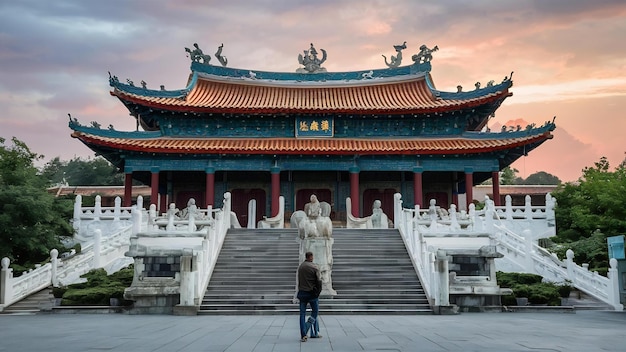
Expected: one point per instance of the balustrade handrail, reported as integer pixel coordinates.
(535, 259)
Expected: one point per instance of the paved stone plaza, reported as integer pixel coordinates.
(582, 331)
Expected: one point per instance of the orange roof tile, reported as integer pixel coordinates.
(346, 146)
(405, 96)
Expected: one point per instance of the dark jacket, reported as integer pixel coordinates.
(308, 277)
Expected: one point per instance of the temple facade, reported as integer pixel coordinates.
(261, 135)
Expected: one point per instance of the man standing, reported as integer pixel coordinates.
(309, 288)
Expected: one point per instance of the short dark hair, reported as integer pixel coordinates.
(308, 255)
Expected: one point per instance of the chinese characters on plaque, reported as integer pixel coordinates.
(314, 126)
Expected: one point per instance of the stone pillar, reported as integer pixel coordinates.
(275, 175)
(128, 188)
(54, 264)
(187, 282)
(495, 180)
(6, 274)
(418, 186)
(154, 185)
(443, 279)
(469, 184)
(354, 191)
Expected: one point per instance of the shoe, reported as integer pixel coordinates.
(303, 339)
(316, 337)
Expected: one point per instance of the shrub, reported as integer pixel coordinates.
(511, 279)
(544, 293)
(564, 290)
(99, 288)
(58, 292)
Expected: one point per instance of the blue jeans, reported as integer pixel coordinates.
(305, 299)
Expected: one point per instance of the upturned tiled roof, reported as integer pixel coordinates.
(337, 146)
(410, 95)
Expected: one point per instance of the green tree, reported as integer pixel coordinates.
(508, 176)
(32, 222)
(541, 178)
(594, 204)
(79, 172)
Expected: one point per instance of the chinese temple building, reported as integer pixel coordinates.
(260, 135)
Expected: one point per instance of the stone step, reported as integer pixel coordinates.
(372, 273)
(33, 304)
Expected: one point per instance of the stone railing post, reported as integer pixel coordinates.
(96, 248)
(117, 209)
(54, 264)
(528, 210)
(227, 210)
(78, 211)
(454, 222)
(397, 211)
(251, 214)
(443, 279)
(528, 241)
(614, 285)
(508, 206)
(6, 274)
(550, 202)
(186, 279)
(97, 210)
(135, 213)
(140, 203)
(569, 259)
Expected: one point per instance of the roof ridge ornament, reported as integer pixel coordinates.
(425, 54)
(395, 61)
(197, 55)
(312, 64)
(222, 59)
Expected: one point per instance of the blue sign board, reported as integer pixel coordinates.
(314, 126)
(616, 247)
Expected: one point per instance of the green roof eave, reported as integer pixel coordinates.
(112, 133)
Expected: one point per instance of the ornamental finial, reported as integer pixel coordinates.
(312, 64)
(196, 55)
(396, 60)
(222, 59)
(425, 54)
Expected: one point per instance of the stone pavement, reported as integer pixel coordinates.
(588, 330)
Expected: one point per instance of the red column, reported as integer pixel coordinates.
(469, 184)
(495, 180)
(354, 190)
(154, 186)
(418, 186)
(209, 187)
(275, 172)
(128, 189)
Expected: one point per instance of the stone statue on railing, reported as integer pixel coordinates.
(315, 230)
(379, 218)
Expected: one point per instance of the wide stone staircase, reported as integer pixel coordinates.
(256, 270)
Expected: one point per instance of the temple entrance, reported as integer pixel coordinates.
(386, 198)
(240, 198)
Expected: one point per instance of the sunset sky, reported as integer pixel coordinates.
(569, 58)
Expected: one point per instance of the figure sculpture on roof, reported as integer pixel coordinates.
(425, 54)
(222, 59)
(396, 60)
(312, 64)
(196, 55)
